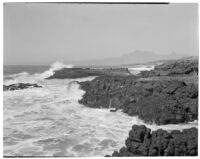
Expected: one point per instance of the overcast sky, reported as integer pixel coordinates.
(40, 33)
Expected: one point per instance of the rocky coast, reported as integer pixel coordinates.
(143, 142)
(85, 72)
(184, 66)
(19, 86)
(160, 102)
(166, 95)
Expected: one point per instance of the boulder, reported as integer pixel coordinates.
(143, 142)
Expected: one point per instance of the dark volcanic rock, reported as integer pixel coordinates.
(162, 102)
(85, 72)
(143, 142)
(175, 67)
(18, 86)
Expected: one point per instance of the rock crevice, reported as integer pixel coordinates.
(143, 142)
(162, 102)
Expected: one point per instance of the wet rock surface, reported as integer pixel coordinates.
(162, 102)
(85, 72)
(143, 142)
(18, 86)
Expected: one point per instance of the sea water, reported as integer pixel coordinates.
(138, 68)
(49, 121)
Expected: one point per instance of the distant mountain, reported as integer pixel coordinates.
(135, 57)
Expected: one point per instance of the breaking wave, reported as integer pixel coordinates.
(54, 67)
(25, 77)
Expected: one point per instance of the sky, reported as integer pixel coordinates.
(41, 33)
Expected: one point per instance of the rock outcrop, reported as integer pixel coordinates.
(85, 72)
(162, 96)
(175, 67)
(162, 102)
(143, 142)
(18, 86)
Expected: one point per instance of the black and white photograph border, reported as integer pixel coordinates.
(86, 86)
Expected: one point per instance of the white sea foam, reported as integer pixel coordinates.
(54, 67)
(49, 121)
(138, 68)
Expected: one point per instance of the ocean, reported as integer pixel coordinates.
(49, 121)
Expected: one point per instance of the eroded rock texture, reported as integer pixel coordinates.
(143, 142)
(174, 67)
(162, 102)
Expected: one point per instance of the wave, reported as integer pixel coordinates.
(54, 67)
(50, 121)
(25, 77)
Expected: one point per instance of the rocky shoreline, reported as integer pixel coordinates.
(160, 102)
(166, 95)
(85, 72)
(19, 86)
(184, 66)
(143, 142)
(161, 96)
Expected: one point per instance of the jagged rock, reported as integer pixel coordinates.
(174, 67)
(162, 102)
(143, 142)
(18, 86)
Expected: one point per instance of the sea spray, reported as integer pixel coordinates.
(54, 67)
(25, 77)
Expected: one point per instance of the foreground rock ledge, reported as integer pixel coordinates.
(18, 86)
(143, 142)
